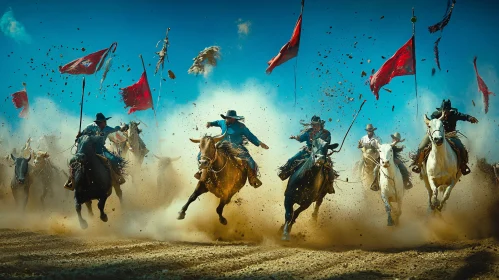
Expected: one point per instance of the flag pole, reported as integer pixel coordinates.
(413, 20)
(81, 105)
(152, 103)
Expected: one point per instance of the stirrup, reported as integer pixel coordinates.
(416, 169)
(374, 187)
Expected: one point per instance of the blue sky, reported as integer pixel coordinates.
(333, 28)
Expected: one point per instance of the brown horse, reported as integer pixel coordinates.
(223, 173)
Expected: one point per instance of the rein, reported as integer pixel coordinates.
(210, 167)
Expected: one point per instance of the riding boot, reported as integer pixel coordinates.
(69, 185)
(417, 160)
(285, 171)
(197, 175)
(253, 178)
(375, 183)
(406, 177)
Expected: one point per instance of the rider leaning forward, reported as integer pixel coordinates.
(99, 128)
(451, 116)
(314, 129)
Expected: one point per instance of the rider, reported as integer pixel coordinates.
(315, 129)
(369, 139)
(451, 116)
(238, 134)
(496, 171)
(99, 128)
(406, 177)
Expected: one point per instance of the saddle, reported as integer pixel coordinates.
(462, 155)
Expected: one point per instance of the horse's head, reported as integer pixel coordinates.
(134, 128)
(21, 168)
(435, 130)
(208, 149)
(385, 155)
(319, 151)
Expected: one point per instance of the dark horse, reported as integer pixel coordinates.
(223, 173)
(307, 185)
(21, 182)
(92, 177)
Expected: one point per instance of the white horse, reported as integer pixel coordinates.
(441, 171)
(390, 182)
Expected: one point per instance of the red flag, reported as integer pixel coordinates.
(483, 88)
(401, 63)
(138, 96)
(20, 100)
(289, 50)
(88, 64)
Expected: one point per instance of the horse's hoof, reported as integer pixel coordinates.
(91, 214)
(281, 230)
(390, 222)
(83, 224)
(103, 218)
(223, 221)
(285, 237)
(181, 215)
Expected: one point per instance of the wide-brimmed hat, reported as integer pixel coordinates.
(396, 136)
(446, 105)
(231, 114)
(100, 118)
(370, 127)
(316, 120)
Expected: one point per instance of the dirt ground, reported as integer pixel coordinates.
(28, 254)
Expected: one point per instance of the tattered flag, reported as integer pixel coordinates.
(483, 88)
(88, 64)
(137, 96)
(435, 51)
(441, 25)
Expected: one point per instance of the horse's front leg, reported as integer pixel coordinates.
(288, 216)
(200, 189)
(434, 197)
(44, 194)
(26, 196)
(101, 204)
(388, 209)
(447, 192)
(89, 207)
(316, 208)
(119, 193)
(220, 210)
(83, 223)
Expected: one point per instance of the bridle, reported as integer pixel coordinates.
(212, 161)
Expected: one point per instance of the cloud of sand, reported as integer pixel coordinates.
(351, 217)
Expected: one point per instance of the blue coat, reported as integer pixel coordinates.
(308, 136)
(236, 133)
(94, 130)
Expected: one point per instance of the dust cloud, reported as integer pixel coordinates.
(354, 216)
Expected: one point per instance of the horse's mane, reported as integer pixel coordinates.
(304, 168)
(228, 149)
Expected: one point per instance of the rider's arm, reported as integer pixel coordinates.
(435, 115)
(302, 137)
(214, 123)
(326, 136)
(251, 137)
(463, 117)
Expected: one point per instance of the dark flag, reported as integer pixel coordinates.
(441, 25)
(400, 64)
(289, 50)
(483, 88)
(88, 64)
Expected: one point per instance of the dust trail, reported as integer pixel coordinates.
(352, 217)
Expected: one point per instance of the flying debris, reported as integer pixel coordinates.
(363, 74)
(393, 108)
(473, 101)
(435, 51)
(171, 74)
(163, 52)
(382, 17)
(107, 66)
(208, 56)
(387, 89)
(433, 71)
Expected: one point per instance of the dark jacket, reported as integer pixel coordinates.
(308, 136)
(452, 117)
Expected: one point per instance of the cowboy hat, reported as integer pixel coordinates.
(446, 105)
(396, 136)
(100, 118)
(231, 114)
(370, 127)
